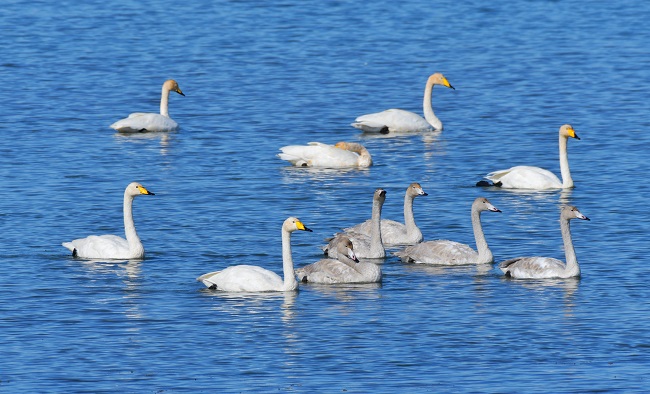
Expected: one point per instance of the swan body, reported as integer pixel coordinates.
(366, 246)
(444, 252)
(547, 267)
(250, 278)
(528, 177)
(317, 154)
(143, 121)
(112, 246)
(401, 121)
(395, 233)
(345, 269)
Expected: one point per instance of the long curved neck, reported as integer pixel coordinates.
(343, 258)
(290, 282)
(428, 109)
(484, 252)
(567, 181)
(365, 160)
(376, 246)
(572, 268)
(412, 229)
(164, 102)
(135, 245)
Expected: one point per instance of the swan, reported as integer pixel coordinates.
(256, 279)
(317, 154)
(142, 121)
(443, 252)
(400, 121)
(547, 267)
(347, 269)
(367, 246)
(528, 177)
(112, 246)
(395, 233)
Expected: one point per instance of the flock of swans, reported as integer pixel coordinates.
(366, 240)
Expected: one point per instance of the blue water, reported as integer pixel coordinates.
(261, 75)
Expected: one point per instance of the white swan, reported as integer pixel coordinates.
(366, 246)
(142, 121)
(317, 154)
(443, 252)
(395, 233)
(112, 246)
(400, 121)
(527, 177)
(347, 269)
(257, 279)
(547, 267)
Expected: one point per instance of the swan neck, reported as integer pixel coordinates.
(409, 219)
(428, 109)
(376, 246)
(484, 252)
(567, 181)
(572, 268)
(164, 102)
(135, 245)
(290, 282)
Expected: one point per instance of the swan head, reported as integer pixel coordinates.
(136, 189)
(172, 85)
(415, 190)
(571, 212)
(483, 204)
(567, 131)
(293, 224)
(347, 249)
(380, 195)
(439, 79)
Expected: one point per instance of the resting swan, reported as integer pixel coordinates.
(317, 154)
(527, 177)
(142, 121)
(257, 279)
(400, 121)
(395, 233)
(548, 267)
(445, 252)
(112, 246)
(369, 247)
(347, 269)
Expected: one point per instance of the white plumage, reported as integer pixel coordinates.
(317, 154)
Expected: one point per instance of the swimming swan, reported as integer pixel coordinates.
(400, 121)
(347, 269)
(395, 233)
(112, 246)
(257, 279)
(317, 154)
(547, 267)
(527, 177)
(443, 252)
(142, 121)
(366, 246)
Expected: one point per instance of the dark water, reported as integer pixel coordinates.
(260, 75)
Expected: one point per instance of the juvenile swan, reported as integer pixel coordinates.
(547, 267)
(395, 233)
(347, 269)
(444, 252)
(143, 121)
(527, 177)
(256, 279)
(369, 247)
(112, 246)
(317, 154)
(400, 121)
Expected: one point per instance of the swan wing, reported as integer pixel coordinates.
(317, 154)
(392, 120)
(532, 267)
(525, 177)
(243, 278)
(441, 252)
(392, 233)
(99, 246)
(141, 121)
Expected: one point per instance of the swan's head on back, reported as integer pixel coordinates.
(380, 195)
(172, 85)
(483, 204)
(439, 79)
(136, 189)
(292, 224)
(415, 190)
(346, 248)
(572, 212)
(567, 131)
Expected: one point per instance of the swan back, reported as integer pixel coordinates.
(317, 154)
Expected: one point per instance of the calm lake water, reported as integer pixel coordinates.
(261, 75)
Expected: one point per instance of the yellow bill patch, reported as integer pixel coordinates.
(143, 190)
